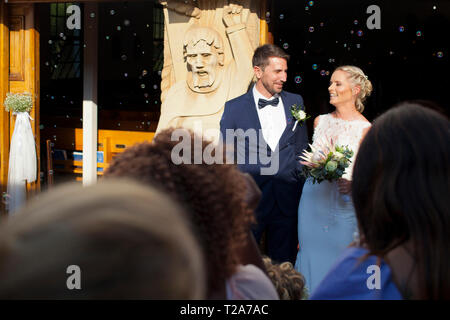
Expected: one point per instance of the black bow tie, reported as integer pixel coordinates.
(262, 103)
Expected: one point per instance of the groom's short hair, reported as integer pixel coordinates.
(264, 52)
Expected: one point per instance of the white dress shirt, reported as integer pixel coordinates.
(272, 119)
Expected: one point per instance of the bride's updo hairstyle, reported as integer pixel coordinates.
(358, 78)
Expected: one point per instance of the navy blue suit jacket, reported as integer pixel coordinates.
(283, 188)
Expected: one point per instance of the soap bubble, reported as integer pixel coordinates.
(311, 29)
(298, 79)
(281, 16)
(314, 66)
(285, 45)
(439, 54)
(401, 28)
(360, 33)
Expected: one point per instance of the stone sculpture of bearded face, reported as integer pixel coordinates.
(203, 54)
(202, 62)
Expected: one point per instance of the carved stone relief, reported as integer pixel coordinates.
(208, 47)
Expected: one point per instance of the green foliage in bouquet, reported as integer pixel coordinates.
(18, 102)
(328, 165)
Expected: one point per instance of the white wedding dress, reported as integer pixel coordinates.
(327, 222)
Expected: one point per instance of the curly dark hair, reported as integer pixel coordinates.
(213, 194)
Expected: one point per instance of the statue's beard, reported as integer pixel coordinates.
(204, 81)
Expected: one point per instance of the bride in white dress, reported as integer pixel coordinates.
(327, 223)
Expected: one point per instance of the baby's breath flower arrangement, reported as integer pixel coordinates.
(18, 102)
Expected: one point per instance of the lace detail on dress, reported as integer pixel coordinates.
(344, 132)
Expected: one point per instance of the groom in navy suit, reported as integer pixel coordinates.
(267, 145)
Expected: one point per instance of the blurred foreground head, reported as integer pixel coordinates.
(129, 242)
(401, 183)
(214, 195)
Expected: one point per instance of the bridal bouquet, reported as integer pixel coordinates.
(325, 161)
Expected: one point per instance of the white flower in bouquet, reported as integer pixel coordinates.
(338, 155)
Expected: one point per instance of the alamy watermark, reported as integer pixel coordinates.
(374, 280)
(74, 20)
(74, 280)
(374, 21)
(237, 146)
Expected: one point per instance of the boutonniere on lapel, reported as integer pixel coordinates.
(299, 115)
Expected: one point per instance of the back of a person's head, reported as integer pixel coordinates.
(212, 194)
(401, 187)
(290, 284)
(129, 241)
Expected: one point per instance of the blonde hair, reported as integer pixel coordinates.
(289, 283)
(358, 78)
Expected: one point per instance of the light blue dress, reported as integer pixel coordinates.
(327, 222)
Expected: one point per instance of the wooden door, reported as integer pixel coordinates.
(20, 51)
